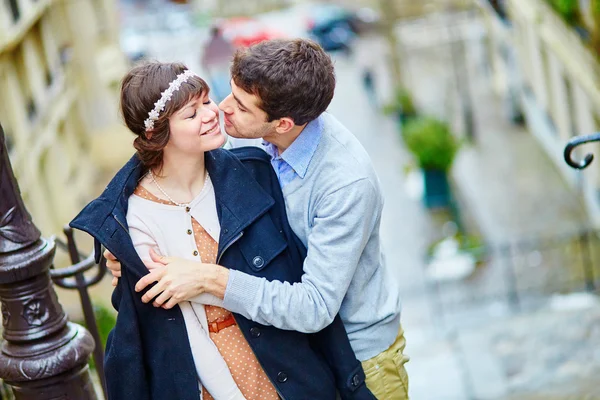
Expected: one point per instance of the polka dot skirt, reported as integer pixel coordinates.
(235, 350)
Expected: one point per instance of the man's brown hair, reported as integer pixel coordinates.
(140, 89)
(292, 78)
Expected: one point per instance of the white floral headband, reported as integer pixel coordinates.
(166, 96)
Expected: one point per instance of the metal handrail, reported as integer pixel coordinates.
(72, 277)
(578, 141)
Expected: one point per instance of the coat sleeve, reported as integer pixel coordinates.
(124, 351)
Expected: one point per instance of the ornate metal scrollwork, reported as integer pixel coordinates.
(578, 141)
(35, 312)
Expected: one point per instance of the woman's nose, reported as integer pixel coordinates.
(209, 114)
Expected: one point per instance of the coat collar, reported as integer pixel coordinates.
(239, 197)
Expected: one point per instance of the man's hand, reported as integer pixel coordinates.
(180, 280)
(113, 265)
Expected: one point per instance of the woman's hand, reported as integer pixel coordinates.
(114, 266)
(180, 280)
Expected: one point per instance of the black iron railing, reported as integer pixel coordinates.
(520, 275)
(74, 277)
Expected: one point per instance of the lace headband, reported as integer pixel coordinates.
(166, 96)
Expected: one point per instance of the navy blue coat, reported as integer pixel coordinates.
(148, 355)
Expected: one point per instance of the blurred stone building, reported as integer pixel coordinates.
(228, 8)
(60, 66)
(545, 65)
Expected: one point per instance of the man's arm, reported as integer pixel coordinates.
(341, 228)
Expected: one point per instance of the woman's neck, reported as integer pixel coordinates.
(182, 177)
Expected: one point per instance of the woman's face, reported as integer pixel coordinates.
(195, 128)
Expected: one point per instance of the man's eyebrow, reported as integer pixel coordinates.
(240, 102)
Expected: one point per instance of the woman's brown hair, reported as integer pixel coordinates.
(140, 89)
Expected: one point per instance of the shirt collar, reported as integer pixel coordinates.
(301, 151)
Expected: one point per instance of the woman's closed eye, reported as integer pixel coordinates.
(193, 115)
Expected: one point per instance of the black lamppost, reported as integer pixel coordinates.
(43, 355)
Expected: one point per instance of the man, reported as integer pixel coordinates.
(280, 92)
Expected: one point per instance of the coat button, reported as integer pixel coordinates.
(254, 332)
(355, 380)
(187, 209)
(189, 231)
(282, 377)
(258, 261)
(195, 252)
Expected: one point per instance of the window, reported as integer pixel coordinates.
(570, 106)
(41, 54)
(13, 5)
(30, 105)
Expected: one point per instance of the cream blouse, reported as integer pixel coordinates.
(166, 229)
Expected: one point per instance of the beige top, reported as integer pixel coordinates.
(243, 365)
(164, 228)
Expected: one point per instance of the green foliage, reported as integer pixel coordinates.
(432, 143)
(471, 244)
(402, 103)
(105, 320)
(568, 9)
(595, 7)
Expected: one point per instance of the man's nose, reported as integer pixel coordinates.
(224, 105)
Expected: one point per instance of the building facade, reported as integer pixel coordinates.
(60, 67)
(228, 8)
(544, 64)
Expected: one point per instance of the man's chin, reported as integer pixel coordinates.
(232, 133)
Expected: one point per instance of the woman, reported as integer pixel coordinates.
(181, 195)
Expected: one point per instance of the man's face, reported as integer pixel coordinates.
(243, 118)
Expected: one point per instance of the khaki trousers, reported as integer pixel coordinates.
(385, 373)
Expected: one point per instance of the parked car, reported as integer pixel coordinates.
(332, 26)
(246, 31)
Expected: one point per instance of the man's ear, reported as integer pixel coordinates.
(284, 125)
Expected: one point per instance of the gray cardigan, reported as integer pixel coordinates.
(336, 212)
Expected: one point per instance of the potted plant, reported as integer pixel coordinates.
(568, 9)
(402, 105)
(434, 146)
(594, 12)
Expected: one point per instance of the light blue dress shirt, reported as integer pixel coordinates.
(294, 161)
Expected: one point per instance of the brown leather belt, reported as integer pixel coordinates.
(215, 327)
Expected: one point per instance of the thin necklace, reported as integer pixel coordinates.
(186, 205)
